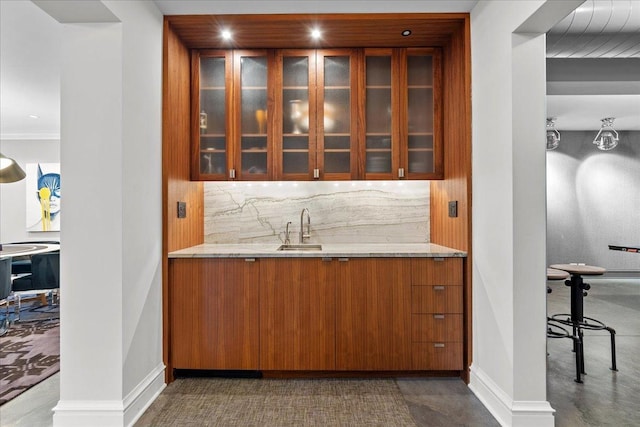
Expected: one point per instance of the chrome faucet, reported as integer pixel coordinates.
(287, 240)
(302, 234)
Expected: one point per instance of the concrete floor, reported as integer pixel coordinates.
(606, 398)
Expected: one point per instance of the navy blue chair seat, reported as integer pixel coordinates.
(45, 273)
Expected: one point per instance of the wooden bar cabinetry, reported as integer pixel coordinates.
(316, 314)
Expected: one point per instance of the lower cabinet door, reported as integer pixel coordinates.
(373, 315)
(297, 314)
(214, 314)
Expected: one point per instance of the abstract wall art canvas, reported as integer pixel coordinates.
(43, 196)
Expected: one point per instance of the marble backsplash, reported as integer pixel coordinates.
(341, 211)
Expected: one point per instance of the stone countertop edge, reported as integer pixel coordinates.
(333, 250)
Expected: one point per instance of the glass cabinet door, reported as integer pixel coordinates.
(296, 101)
(380, 136)
(336, 114)
(251, 91)
(421, 150)
(211, 160)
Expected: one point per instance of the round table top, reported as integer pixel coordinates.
(22, 249)
(555, 274)
(585, 270)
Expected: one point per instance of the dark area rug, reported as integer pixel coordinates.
(29, 351)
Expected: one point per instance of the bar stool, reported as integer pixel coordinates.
(576, 319)
(555, 328)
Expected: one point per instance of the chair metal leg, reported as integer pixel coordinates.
(613, 348)
(579, 360)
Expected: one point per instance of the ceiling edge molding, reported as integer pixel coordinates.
(548, 15)
(30, 137)
(76, 12)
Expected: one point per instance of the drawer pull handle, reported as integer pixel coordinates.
(438, 288)
(438, 316)
(343, 259)
(326, 259)
(438, 345)
(249, 260)
(439, 259)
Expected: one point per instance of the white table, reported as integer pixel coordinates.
(25, 249)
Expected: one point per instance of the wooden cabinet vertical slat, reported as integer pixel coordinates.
(214, 314)
(373, 320)
(297, 314)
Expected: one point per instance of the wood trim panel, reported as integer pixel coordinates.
(297, 314)
(214, 314)
(176, 152)
(456, 232)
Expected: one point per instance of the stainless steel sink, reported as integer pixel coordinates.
(302, 247)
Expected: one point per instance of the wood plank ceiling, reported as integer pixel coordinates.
(338, 30)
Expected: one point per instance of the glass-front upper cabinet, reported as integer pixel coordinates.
(402, 88)
(315, 135)
(251, 93)
(423, 157)
(212, 100)
(381, 133)
(295, 133)
(337, 114)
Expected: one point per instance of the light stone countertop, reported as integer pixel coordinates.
(335, 250)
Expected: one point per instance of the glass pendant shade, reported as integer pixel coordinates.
(10, 171)
(607, 138)
(553, 136)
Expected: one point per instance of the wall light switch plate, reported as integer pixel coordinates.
(453, 209)
(182, 209)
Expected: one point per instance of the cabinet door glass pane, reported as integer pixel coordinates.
(337, 114)
(420, 112)
(420, 70)
(253, 142)
(378, 114)
(295, 123)
(212, 119)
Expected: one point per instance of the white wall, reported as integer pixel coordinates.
(592, 201)
(111, 328)
(13, 196)
(508, 372)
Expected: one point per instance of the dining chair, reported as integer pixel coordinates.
(5, 292)
(44, 276)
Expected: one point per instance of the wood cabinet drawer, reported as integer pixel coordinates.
(436, 299)
(445, 356)
(436, 271)
(436, 327)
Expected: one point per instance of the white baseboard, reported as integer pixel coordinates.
(506, 411)
(143, 395)
(111, 413)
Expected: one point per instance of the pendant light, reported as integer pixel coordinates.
(607, 137)
(10, 171)
(553, 136)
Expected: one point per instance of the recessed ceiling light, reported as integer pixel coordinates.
(34, 116)
(406, 33)
(226, 34)
(316, 34)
